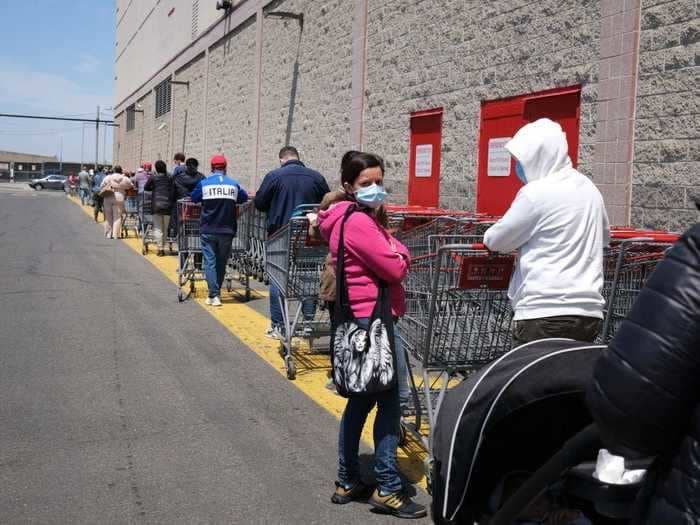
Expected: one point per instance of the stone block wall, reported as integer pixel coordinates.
(454, 55)
(306, 84)
(231, 120)
(188, 107)
(666, 178)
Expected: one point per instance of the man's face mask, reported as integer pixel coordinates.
(371, 196)
(520, 172)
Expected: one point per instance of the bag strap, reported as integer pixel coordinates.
(341, 287)
(342, 295)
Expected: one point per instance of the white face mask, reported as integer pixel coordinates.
(371, 196)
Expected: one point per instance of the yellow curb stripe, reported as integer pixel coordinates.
(248, 326)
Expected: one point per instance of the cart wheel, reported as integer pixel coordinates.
(180, 295)
(144, 250)
(291, 370)
(247, 294)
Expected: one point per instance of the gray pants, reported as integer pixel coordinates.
(570, 326)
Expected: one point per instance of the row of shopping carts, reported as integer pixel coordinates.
(458, 314)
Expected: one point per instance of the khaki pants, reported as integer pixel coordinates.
(570, 326)
(113, 212)
(160, 229)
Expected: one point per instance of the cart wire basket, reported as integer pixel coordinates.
(458, 319)
(294, 262)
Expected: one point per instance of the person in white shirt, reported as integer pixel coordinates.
(559, 227)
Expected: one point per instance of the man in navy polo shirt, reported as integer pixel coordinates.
(281, 191)
(219, 196)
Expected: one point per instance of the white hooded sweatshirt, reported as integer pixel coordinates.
(559, 226)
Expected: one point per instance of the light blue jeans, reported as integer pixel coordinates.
(386, 429)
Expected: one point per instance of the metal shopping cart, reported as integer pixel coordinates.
(423, 239)
(458, 319)
(189, 248)
(629, 262)
(131, 219)
(147, 232)
(252, 227)
(294, 264)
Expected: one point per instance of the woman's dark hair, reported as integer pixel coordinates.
(355, 162)
(117, 169)
(346, 158)
(192, 163)
(180, 157)
(161, 167)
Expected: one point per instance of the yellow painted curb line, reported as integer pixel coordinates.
(248, 326)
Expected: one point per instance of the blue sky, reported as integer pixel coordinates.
(56, 59)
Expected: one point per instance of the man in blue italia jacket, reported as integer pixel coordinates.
(219, 196)
(281, 191)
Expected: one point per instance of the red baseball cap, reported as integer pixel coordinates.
(147, 166)
(218, 161)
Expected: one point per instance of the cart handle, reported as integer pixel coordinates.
(576, 450)
(630, 235)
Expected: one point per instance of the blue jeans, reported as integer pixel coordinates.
(386, 430)
(84, 195)
(216, 249)
(308, 308)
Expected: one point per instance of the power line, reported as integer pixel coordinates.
(68, 119)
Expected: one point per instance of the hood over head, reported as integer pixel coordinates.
(541, 149)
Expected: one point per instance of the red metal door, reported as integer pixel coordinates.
(497, 183)
(424, 158)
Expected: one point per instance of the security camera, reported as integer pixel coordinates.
(138, 106)
(224, 4)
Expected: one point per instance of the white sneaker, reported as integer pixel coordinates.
(215, 301)
(208, 301)
(274, 333)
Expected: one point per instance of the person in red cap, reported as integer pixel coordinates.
(219, 196)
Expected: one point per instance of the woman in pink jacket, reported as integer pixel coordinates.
(371, 254)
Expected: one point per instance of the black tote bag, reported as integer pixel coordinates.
(364, 361)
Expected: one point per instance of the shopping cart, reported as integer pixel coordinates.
(252, 227)
(421, 240)
(189, 248)
(294, 263)
(131, 220)
(628, 264)
(147, 232)
(403, 218)
(458, 319)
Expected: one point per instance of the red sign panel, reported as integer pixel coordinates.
(424, 158)
(492, 273)
(497, 183)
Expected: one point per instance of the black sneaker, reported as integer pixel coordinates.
(397, 504)
(358, 492)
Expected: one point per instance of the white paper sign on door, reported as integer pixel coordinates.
(499, 158)
(424, 160)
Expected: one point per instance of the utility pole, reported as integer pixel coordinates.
(82, 146)
(104, 145)
(60, 160)
(97, 137)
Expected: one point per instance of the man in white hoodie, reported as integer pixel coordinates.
(559, 226)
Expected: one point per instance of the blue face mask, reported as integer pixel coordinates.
(520, 172)
(371, 196)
